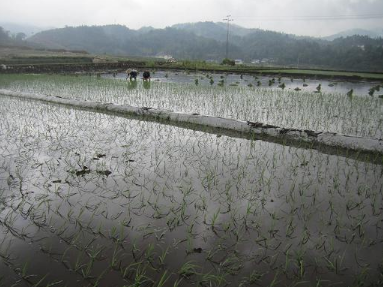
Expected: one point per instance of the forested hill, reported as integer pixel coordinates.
(16, 39)
(207, 41)
(217, 31)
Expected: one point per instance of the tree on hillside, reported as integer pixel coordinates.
(20, 37)
(228, 62)
(4, 36)
(6, 39)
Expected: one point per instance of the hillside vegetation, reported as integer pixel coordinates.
(207, 41)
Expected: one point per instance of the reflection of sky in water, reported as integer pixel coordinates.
(341, 87)
(264, 194)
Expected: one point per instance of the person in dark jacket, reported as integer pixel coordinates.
(146, 76)
(131, 74)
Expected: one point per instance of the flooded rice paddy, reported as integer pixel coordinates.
(326, 112)
(90, 199)
(360, 88)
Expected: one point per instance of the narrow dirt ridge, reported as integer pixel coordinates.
(251, 128)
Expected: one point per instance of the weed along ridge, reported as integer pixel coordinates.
(251, 128)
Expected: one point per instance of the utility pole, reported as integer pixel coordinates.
(299, 58)
(228, 19)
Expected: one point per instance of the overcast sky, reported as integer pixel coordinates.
(301, 17)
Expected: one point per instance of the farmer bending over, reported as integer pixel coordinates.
(132, 74)
(146, 76)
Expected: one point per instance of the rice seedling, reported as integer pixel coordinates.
(180, 206)
(287, 108)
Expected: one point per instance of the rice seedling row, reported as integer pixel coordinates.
(91, 199)
(325, 112)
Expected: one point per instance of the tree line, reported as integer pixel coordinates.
(359, 53)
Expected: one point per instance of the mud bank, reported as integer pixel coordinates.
(70, 68)
(231, 125)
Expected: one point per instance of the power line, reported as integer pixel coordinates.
(228, 19)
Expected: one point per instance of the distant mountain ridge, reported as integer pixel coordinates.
(28, 30)
(352, 32)
(207, 41)
(120, 40)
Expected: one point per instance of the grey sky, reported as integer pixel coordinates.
(278, 15)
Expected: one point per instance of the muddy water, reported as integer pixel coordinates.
(360, 88)
(89, 198)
